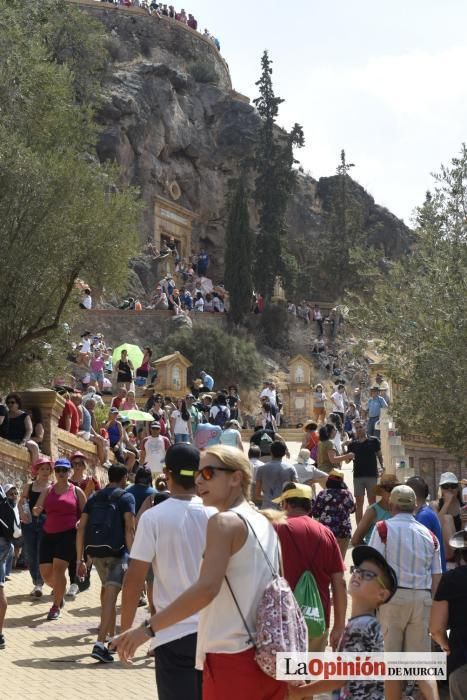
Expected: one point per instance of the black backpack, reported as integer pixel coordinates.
(7, 518)
(105, 531)
(221, 417)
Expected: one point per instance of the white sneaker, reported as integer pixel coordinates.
(73, 591)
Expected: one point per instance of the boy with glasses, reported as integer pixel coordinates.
(373, 583)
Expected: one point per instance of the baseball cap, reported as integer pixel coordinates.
(8, 487)
(448, 478)
(364, 552)
(155, 424)
(114, 410)
(403, 496)
(62, 463)
(182, 458)
(299, 491)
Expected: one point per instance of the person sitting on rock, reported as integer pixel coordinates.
(192, 22)
(199, 302)
(182, 17)
(172, 13)
(164, 11)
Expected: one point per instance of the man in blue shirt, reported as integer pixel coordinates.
(426, 515)
(208, 381)
(375, 404)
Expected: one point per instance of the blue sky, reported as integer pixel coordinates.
(384, 80)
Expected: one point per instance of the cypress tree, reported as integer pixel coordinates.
(238, 253)
(275, 179)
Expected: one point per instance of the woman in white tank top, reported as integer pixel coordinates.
(225, 653)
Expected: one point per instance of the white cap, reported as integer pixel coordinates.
(448, 478)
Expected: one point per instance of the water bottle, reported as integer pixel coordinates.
(26, 513)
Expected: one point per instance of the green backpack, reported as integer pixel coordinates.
(309, 601)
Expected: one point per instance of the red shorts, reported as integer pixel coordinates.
(238, 676)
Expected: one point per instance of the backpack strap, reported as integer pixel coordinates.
(382, 528)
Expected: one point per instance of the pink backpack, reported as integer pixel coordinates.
(280, 625)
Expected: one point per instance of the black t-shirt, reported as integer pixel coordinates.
(365, 463)
(453, 588)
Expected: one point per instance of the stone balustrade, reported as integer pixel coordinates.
(15, 461)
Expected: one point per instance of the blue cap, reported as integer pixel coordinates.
(63, 462)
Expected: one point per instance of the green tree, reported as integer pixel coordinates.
(274, 161)
(238, 254)
(418, 316)
(228, 358)
(62, 214)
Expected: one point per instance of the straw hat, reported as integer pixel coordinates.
(386, 481)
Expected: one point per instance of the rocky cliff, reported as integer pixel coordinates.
(170, 114)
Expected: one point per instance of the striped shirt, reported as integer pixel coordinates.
(410, 550)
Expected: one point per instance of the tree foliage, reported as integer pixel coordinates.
(62, 214)
(274, 160)
(418, 315)
(238, 254)
(228, 358)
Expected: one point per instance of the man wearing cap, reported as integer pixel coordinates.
(309, 546)
(154, 448)
(375, 404)
(414, 553)
(172, 537)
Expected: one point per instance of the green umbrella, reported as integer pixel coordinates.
(134, 414)
(135, 354)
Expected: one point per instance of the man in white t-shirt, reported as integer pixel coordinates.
(154, 448)
(339, 399)
(269, 391)
(171, 535)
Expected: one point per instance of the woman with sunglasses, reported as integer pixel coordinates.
(224, 652)
(19, 426)
(376, 511)
(32, 525)
(448, 508)
(62, 504)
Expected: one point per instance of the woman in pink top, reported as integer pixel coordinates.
(130, 402)
(62, 504)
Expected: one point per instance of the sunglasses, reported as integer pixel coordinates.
(450, 486)
(367, 575)
(61, 470)
(208, 472)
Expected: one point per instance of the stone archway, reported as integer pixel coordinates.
(171, 219)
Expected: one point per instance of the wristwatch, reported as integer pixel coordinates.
(147, 628)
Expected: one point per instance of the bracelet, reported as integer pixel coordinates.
(147, 628)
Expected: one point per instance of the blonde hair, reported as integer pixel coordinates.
(234, 459)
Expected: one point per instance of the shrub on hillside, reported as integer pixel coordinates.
(229, 359)
(202, 72)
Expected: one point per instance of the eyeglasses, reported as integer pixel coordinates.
(450, 486)
(208, 472)
(61, 470)
(367, 575)
(78, 463)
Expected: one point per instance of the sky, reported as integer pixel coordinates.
(383, 80)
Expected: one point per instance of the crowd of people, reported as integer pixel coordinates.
(163, 10)
(190, 524)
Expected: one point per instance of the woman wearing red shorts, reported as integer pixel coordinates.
(224, 652)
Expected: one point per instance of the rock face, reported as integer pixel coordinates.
(169, 114)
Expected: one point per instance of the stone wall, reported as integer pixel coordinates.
(430, 461)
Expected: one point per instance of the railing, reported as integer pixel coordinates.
(95, 4)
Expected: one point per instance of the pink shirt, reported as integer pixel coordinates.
(62, 510)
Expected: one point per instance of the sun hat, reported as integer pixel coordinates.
(364, 553)
(43, 459)
(403, 496)
(304, 456)
(78, 455)
(336, 474)
(386, 480)
(457, 541)
(298, 491)
(448, 478)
